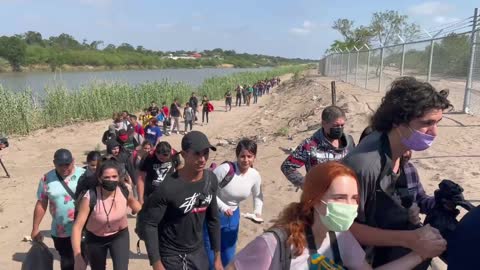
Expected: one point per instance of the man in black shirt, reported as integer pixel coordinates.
(154, 168)
(194, 104)
(153, 109)
(173, 215)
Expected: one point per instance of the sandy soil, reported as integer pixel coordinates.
(279, 121)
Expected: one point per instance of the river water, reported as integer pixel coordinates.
(37, 81)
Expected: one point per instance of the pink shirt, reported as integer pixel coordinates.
(97, 222)
(259, 254)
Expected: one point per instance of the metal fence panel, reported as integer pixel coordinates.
(475, 92)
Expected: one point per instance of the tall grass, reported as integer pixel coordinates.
(21, 114)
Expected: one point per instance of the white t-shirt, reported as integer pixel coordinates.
(239, 188)
(259, 254)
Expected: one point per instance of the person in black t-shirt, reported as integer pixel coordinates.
(193, 101)
(153, 109)
(173, 215)
(154, 168)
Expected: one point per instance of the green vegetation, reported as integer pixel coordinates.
(282, 132)
(21, 113)
(30, 49)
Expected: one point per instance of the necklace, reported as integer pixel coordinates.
(111, 207)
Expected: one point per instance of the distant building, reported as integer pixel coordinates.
(184, 56)
(196, 55)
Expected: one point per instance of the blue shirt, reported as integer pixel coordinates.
(152, 134)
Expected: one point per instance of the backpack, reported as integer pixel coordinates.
(228, 177)
(210, 107)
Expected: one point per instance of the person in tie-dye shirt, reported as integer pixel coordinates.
(51, 192)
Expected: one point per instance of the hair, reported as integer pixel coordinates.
(152, 102)
(332, 113)
(111, 163)
(133, 116)
(187, 104)
(297, 215)
(163, 146)
(365, 133)
(406, 100)
(146, 143)
(246, 144)
(93, 156)
(154, 121)
(125, 112)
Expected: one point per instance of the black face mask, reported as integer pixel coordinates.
(109, 185)
(335, 133)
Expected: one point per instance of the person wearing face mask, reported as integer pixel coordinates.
(246, 181)
(315, 230)
(103, 212)
(327, 144)
(406, 119)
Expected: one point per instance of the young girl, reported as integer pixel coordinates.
(106, 224)
(245, 182)
(205, 108)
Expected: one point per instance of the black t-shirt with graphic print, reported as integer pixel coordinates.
(174, 214)
(156, 171)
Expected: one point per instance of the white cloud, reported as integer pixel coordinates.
(444, 19)
(431, 8)
(306, 28)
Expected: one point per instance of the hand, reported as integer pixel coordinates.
(141, 201)
(414, 214)
(217, 264)
(427, 242)
(80, 263)
(36, 235)
(228, 213)
(158, 265)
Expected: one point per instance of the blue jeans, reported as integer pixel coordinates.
(228, 235)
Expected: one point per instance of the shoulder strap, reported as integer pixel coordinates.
(206, 187)
(334, 246)
(65, 186)
(312, 247)
(283, 249)
(229, 176)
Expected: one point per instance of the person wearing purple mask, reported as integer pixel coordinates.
(406, 120)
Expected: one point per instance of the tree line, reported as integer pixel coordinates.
(31, 48)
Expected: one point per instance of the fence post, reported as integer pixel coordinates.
(430, 60)
(468, 87)
(402, 68)
(348, 67)
(380, 77)
(334, 94)
(368, 69)
(356, 66)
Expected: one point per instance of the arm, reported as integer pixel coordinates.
(213, 225)
(154, 210)
(257, 197)
(132, 202)
(371, 236)
(78, 225)
(141, 185)
(295, 161)
(40, 209)
(220, 173)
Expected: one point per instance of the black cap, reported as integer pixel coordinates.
(62, 157)
(197, 141)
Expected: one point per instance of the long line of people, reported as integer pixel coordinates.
(359, 207)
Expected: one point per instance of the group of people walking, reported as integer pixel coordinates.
(352, 213)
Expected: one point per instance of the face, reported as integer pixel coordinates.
(2, 146)
(65, 169)
(342, 190)
(116, 150)
(162, 157)
(339, 122)
(147, 148)
(427, 124)
(245, 159)
(124, 115)
(196, 160)
(109, 174)
(92, 165)
(133, 121)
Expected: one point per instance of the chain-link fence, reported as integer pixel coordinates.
(448, 62)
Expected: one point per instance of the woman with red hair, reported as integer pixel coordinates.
(316, 229)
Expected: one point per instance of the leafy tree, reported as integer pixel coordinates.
(125, 47)
(94, 44)
(13, 49)
(110, 47)
(388, 25)
(32, 38)
(64, 41)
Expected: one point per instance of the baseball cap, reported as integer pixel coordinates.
(197, 141)
(62, 157)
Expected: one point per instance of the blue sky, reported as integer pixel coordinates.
(300, 28)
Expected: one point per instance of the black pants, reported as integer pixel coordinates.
(64, 247)
(238, 101)
(197, 260)
(118, 245)
(228, 103)
(204, 113)
(255, 99)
